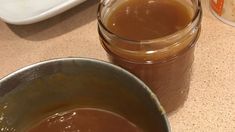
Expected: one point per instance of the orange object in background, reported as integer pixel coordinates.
(217, 6)
(224, 10)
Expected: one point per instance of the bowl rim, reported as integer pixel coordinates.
(105, 63)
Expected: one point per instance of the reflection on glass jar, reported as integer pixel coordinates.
(155, 40)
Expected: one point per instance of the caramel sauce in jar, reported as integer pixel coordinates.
(155, 40)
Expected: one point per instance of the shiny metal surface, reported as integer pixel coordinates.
(34, 92)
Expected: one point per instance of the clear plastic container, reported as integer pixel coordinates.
(224, 10)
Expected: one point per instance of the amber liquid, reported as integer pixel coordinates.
(85, 120)
(148, 19)
(140, 20)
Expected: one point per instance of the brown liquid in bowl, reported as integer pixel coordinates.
(85, 120)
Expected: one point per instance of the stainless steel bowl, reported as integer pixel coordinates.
(35, 92)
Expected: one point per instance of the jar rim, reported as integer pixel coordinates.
(193, 22)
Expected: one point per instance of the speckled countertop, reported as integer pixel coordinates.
(211, 103)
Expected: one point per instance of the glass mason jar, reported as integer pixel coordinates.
(164, 64)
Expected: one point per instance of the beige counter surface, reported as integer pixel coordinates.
(211, 103)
